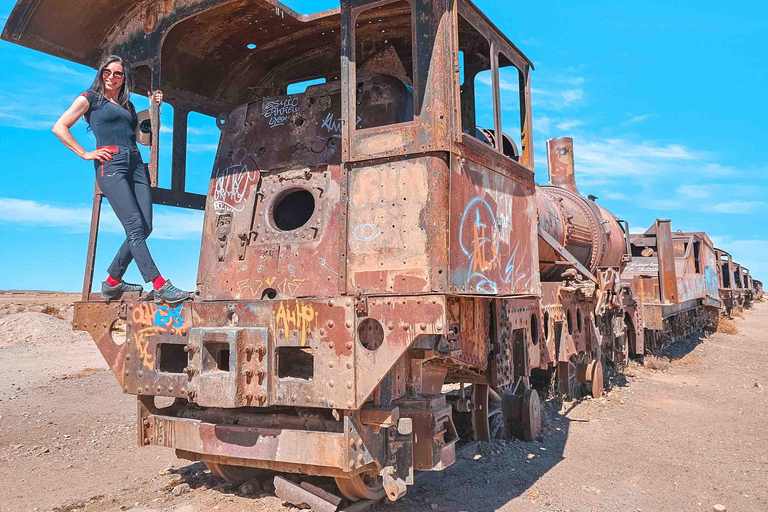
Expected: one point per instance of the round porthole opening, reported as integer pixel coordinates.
(293, 209)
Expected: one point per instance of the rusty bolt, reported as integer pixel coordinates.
(261, 372)
(349, 385)
(128, 357)
(158, 389)
(191, 394)
(331, 384)
(249, 349)
(348, 324)
(330, 303)
(391, 325)
(262, 352)
(170, 389)
(249, 396)
(330, 403)
(439, 327)
(349, 345)
(125, 389)
(127, 372)
(322, 332)
(330, 324)
(146, 423)
(349, 365)
(406, 327)
(146, 389)
(423, 327)
(141, 373)
(183, 332)
(331, 345)
(249, 373)
(146, 441)
(190, 348)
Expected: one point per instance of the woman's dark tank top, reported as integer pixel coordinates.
(112, 124)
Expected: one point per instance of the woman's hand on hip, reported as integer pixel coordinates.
(100, 154)
(158, 96)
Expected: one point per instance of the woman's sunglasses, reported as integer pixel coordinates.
(117, 74)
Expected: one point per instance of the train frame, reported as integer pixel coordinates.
(379, 275)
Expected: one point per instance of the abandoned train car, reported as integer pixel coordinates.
(379, 274)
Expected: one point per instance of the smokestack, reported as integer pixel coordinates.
(560, 163)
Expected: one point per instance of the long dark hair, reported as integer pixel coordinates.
(97, 87)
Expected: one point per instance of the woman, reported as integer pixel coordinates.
(120, 174)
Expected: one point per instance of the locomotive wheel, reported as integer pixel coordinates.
(531, 415)
(361, 487)
(595, 369)
(235, 475)
(487, 420)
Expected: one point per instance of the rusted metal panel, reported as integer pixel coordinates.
(667, 277)
(493, 244)
(398, 219)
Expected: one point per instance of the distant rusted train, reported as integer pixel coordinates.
(379, 275)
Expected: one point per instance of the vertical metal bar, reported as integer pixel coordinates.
(92, 240)
(179, 154)
(667, 272)
(526, 121)
(496, 97)
(154, 149)
(348, 80)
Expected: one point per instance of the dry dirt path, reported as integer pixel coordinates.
(680, 439)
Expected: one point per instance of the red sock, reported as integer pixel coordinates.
(158, 282)
(111, 281)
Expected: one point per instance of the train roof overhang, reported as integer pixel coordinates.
(205, 43)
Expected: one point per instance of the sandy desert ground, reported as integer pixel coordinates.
(684, 433)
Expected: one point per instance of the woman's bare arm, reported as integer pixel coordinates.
(61, 129)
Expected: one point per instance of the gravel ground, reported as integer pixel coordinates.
(686, 435)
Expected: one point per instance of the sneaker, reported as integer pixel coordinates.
(115, 292)
(170, 294)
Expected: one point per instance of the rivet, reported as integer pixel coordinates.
(146, 441)
(350, 405)
(349, 345)
(128, 357)
(158, 388)
(349, 385)
(330, 364)
(391, 325)
(146, 423)
(127, 372)
(330, 403)
(331, 384)
(248, 395)
(439, 327)
(360, 459)
(423, 327)
(146, 389)
(183, 391)
(330, 324)
(141, 373)
(330, 303)
(170, 389)
(331, 345)
(104, 324)
(125, 389)
(406, 327)
(360, 443)
(322, 332)
(349, 365)
(348, 324)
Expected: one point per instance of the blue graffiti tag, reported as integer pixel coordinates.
(167, 315)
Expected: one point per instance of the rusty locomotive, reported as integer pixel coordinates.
(379, 275)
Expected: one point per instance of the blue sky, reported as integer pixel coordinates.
(666, 102)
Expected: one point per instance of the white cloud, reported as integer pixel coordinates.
(636, 119)
(740, 207)
(616, 196)
(695, 191)
(171, 225)
(619, 157)
(569, 124)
